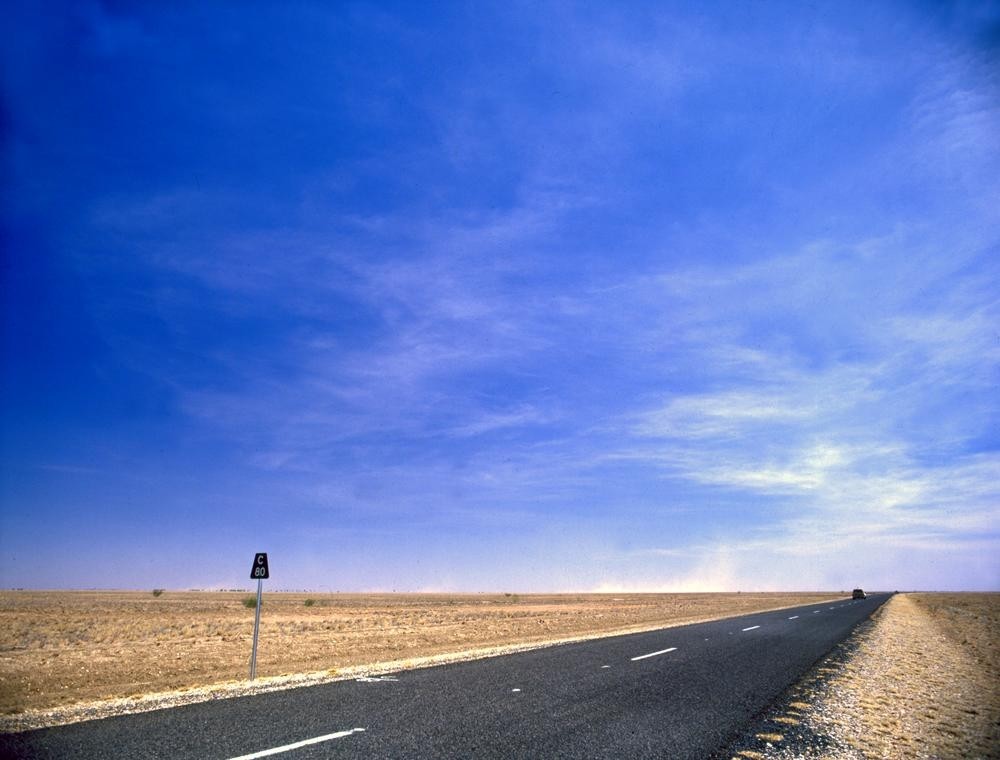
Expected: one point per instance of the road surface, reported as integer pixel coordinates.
(681, 692)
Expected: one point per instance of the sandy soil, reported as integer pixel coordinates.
(59, 648)
(920, 680)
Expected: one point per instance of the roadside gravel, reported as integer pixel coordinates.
(919, 680)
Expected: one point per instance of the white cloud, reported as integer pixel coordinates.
(721, 415)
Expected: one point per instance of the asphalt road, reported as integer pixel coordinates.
(674, 693)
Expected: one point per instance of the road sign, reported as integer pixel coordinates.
(259, 569)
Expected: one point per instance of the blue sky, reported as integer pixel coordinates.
(501, 296)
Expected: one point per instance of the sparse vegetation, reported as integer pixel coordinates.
(157, 592)
(309, 602)
(250, 602)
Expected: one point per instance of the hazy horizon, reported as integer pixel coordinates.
(525, 297)
(487, 592)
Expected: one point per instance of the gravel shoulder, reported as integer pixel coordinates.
(918, 680)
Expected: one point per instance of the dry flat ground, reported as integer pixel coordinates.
(58, 648)
(920, 680)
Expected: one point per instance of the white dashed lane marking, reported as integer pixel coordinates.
(793, 617)
(750, 628)
(653, 654)
(297, 745)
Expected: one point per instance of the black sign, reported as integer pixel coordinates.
(259, 569)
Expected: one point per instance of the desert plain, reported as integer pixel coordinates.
(58, 648)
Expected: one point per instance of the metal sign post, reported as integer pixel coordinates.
(259, 571)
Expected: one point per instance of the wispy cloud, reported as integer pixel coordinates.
(672, 299)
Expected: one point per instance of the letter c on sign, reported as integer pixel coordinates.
(260, 559)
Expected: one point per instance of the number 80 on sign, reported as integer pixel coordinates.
(258, 570)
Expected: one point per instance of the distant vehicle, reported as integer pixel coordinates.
(859, 594)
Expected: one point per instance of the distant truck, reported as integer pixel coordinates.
(859, 593)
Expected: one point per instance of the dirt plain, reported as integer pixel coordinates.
(921, 679)
(62, 648)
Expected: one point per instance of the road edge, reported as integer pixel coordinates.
(769, 735)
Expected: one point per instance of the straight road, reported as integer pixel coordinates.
(678, 693)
